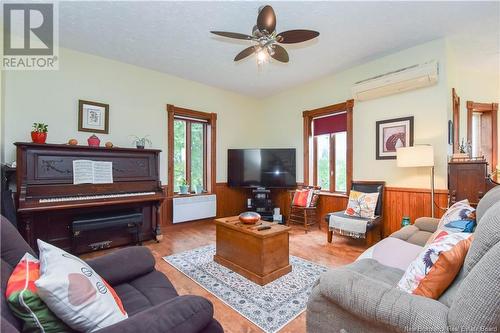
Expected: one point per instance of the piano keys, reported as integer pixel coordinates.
(48, 201)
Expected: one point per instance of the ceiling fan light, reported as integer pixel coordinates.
(262, 56)
(270, 50)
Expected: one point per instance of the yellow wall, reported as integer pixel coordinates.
(137, 99)
(474, 73)
(2, 108)
(283, 116)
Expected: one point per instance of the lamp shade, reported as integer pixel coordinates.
(416, 156)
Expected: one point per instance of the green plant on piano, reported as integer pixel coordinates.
(141, 141)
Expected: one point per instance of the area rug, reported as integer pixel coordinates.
(270, 307)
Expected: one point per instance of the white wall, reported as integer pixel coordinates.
(283, 115)
(137, 99)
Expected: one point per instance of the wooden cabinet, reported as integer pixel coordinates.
(467, 180)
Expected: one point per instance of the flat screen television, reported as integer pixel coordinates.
(270, 168)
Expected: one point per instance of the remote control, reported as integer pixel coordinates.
(263, 228)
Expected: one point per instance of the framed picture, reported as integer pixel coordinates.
(392, 134)
(93, 117)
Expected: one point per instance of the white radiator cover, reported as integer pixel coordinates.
(194, 208)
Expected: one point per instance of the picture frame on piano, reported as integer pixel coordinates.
(93, 117)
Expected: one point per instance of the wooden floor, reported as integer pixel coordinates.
(311, 246)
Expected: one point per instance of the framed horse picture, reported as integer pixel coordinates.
(392, 134)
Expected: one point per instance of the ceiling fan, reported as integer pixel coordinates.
(264, 34)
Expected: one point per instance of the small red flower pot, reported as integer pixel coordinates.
(38, 137)
(93, 141)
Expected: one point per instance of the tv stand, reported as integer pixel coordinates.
(261, 203)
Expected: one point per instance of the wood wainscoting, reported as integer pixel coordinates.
(327, 203)
(412, 202)
(398, 202)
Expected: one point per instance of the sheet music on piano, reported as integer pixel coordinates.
(92, 172)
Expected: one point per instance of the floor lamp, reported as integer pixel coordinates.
(418, 156)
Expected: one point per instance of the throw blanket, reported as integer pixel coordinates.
(347, 225)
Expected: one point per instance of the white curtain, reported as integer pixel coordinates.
(476, 135)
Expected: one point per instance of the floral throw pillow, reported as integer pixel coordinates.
(362, 204)
(437, 265)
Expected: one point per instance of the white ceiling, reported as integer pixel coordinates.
(173, 37)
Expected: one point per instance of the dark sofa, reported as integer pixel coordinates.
(149, 298)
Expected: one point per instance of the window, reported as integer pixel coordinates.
(189, 153)
(331, 162)
(327, 143)
(191, 149)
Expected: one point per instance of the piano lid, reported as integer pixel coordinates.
(46, 170)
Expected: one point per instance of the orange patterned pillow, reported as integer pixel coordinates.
(300, 198)
(437, 265)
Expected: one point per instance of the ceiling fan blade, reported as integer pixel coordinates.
(245, 53)
(296, 36)
(280, 53)
(232, 35)
(266, 19)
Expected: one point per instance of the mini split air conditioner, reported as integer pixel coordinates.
(405, 79)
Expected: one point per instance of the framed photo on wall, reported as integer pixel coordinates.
(391, 134)
(93, 117)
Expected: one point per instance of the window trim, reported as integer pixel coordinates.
(484, 108)
(210, 121)
(310, 142)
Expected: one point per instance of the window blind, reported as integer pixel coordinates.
(334, 123)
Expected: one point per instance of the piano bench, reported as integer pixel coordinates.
(99, 222)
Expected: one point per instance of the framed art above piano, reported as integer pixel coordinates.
(49, 203)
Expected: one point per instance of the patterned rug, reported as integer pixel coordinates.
(271, 306)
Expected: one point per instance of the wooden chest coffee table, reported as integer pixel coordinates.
(260, 256)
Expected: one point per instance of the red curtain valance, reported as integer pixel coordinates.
(331, 124)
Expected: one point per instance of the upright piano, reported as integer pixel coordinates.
(48, 203)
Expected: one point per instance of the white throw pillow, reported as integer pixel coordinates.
(75, 292)
(460, 210)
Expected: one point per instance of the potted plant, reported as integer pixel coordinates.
(140, 142)
(39, 133)
(183, 186)
(198, 188)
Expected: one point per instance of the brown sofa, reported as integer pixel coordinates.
(149, 298)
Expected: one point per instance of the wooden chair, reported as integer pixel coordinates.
(374, 226)
(305, 216)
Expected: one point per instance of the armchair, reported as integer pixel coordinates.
(305, 216)
(149, 298)
(372, 225)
